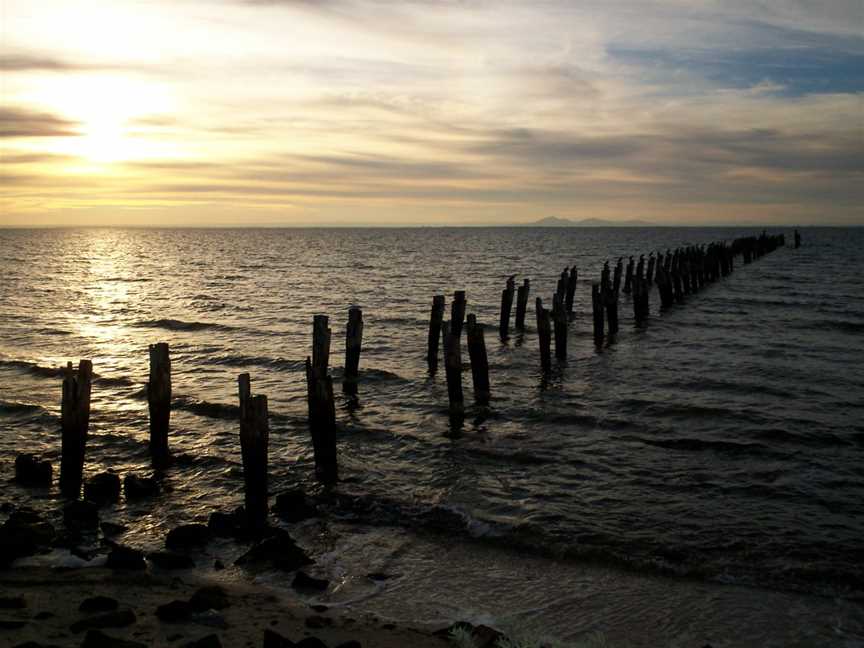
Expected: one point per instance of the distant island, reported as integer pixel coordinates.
(552, 221)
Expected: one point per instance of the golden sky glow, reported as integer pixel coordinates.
(341, 112)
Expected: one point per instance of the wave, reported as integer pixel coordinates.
(240, 360)
(181, 325)
(698, 445)
(13, 407)
(33, 369)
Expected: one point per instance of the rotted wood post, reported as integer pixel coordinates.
(561, 288)
(572, 280)
(322, 408)
(159, 401)
(649, 273)
(544, 335)
(457, 313)
(479, 360)
(628, 277)
(640, 268)
(74, 423)
(506, 308)
(522, 303)
(435, 319)
(597, 312)
(797, 239)
(353, 345)
(559, 320)
(254, 439)
(453, 369)
(616, 280)
(610, 302)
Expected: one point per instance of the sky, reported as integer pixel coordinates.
(487, 112)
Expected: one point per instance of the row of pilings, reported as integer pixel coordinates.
(676, 274)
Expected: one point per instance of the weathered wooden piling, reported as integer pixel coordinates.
(797, 239)
(506, 307)
(254, 439)
(353, 345)
(74, 423)
(559, 320)
(640, 268)
(610, 301)
(322, 408)
(572, 280)
(453, 369)
(159, 401)
(544, 334)
(457, 313)
(641, 307)
(597, 312)
(649, 273)
(522, 304)
(616, 280)
(479, 360)
(435, 319)
(628, 277)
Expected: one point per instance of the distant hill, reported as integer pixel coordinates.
(552, 221)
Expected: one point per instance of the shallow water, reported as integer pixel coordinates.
(723, 441)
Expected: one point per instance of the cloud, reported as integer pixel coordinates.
(24, 122)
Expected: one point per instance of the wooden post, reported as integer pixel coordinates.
(640, 267)
(457, 313)
(453, 370)
(254, 439)
(506, 307)
(628, 277)
(322, 408)
(159, 401)
(616, 277)
(74, 422)
(572, 279)
(610, 301)
(559, 319)
(522, 304)
(479, 361)
(435, 319)
(797, 239)
(649, 275)
(597, 312)
(544, 334)
(353, 344)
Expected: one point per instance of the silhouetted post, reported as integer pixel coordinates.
(605, 282)
(597, 312)
(640, 268)
(522, 304)
(572, 279)
(610, 301)
(353, 344)
(616, 280)
(159, 401)
(544, 334)
(457, 313)
(559, 320)
(479, 360)
(649, 274)
(640, 301)
(254, 438)
(74, 422)
(453, 369)
(506, 307)
(628, 277)
(322, 408)
(435, 319)
(797, 239)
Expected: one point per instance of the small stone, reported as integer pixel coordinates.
(98, 604)
(81, 515)
(222, 525)
(135, 487)
(121, 557)
(218, 565)
(12, 602)
(170, 560)
(23, 534)
(97, 639)
(211, 597)
(103, 488)
(187, 535)
(302, 581)
(174, 612)
(210, 641)
(109, 620)
(293, 506)
(279, 550)
(32, 470)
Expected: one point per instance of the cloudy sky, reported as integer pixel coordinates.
(339, 112)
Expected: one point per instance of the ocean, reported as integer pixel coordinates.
(702, 476)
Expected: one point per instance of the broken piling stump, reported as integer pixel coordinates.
(453, 370)
(572, 280)
(628, 277)
(544, 334)
(597, 312)
(506, 307)
(254, 439)
(559, 320)
(74, 422)
(353, 345)
(522, 303)
(435, 319)
(322, 408)
(479, 360)
(159, 401)
(457, 313)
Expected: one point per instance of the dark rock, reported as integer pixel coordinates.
(222, 525)
(81, 515)
(98, 604)
(316, 622)
(32, 470)
(353, 643)
(279, 550)
(103, 488)
(23, 534)
(112, 528)
(302, 581)
(211, 597)
(319, 608)
(187, 535)
(84, 554)
(174, 612)
(218, 565)
(170, 560)
(108, 620)
(293, 506)
(96, 639)
(12, 603)
(42, 616)
(135, 487)
(310, 642)
(275, 640)
(121, 557)
(175, 637)
(210, 641)
(12, 624)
